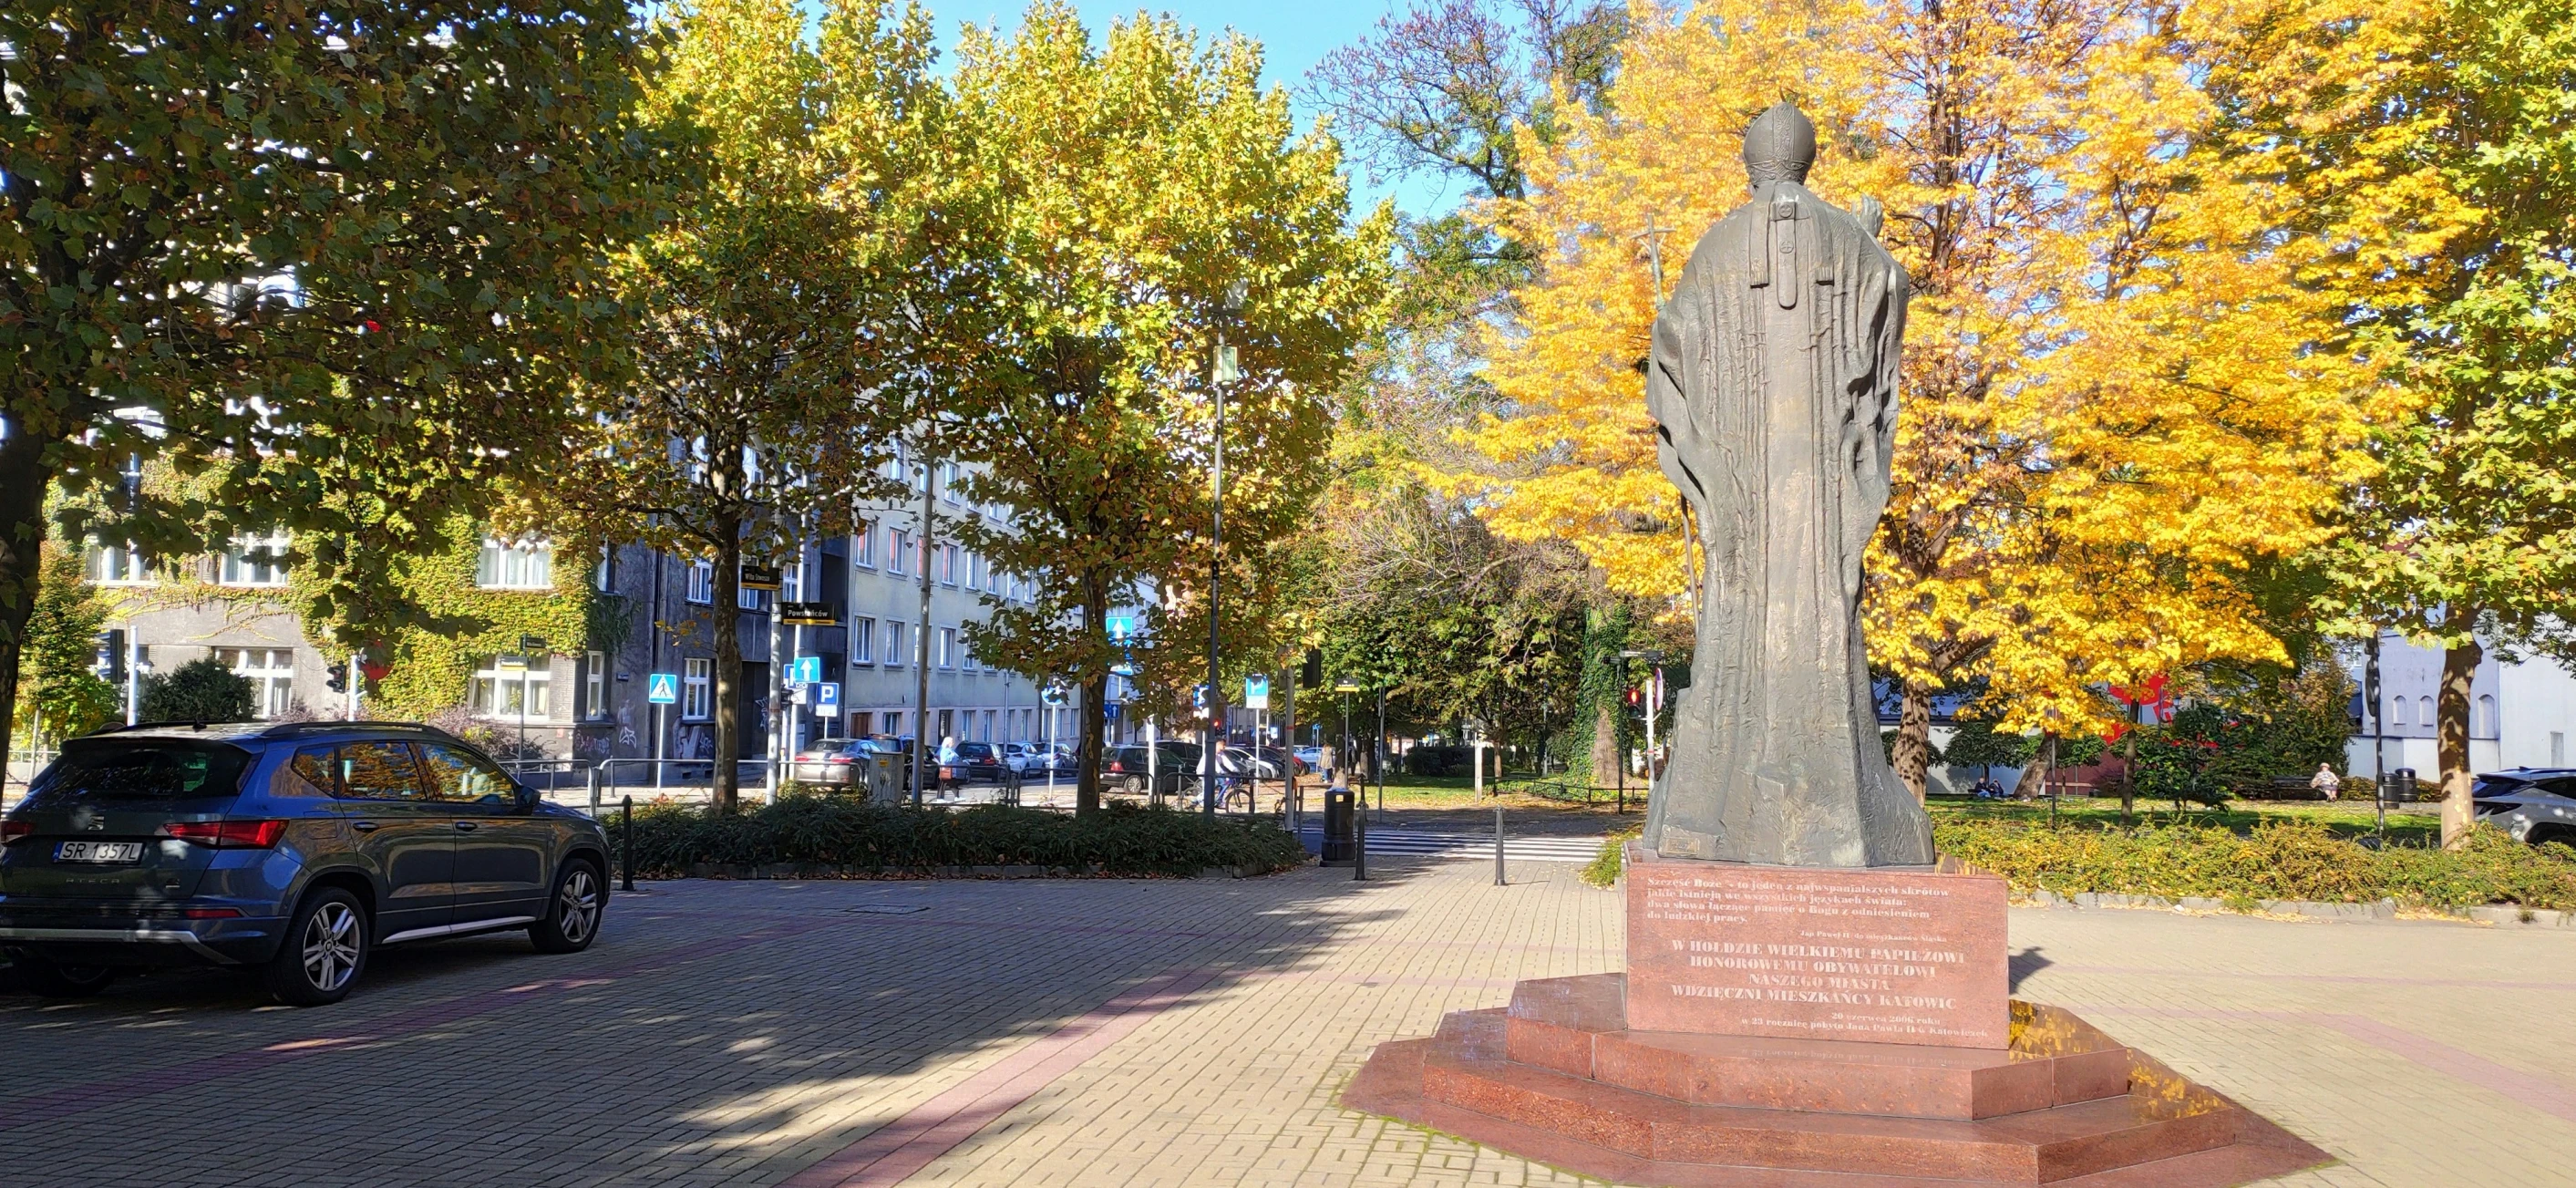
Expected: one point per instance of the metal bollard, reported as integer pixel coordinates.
(1359, 845)
(594, 792)
(1499, 881)
(627, 863)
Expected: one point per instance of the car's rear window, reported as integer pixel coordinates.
(138, 770)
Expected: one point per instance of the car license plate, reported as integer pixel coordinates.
(87, 851)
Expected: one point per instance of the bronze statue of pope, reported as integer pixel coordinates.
(1772, 381)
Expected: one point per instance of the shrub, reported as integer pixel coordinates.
(2283, 860)
(1603, 870)
(201, 690)
(863, 837)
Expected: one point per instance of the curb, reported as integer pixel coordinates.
(2376, 912)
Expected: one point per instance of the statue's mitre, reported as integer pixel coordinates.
(1780, 145)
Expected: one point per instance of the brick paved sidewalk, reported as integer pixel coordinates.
(1129, 1032)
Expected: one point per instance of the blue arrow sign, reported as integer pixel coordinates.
(662, 688)
(805, 670)
(1120, 627)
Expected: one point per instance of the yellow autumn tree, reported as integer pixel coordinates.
(2112, 403)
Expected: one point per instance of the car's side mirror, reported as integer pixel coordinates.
(523, 796)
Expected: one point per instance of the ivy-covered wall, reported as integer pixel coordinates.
(432, 662)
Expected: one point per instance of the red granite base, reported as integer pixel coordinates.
(1558, 1078)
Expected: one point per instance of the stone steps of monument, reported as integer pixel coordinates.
(1577, 1026)
(1463, 1068)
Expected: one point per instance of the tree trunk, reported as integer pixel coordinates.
(2035, 774)
(2451, 718)
(1095, 706)
(23, 476)
(2129, 773)
(1605, 744)
(1913, 749)
(728, 615)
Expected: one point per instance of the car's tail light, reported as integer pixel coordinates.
(227, 835)
(12, 830)
(839, 759)
(210, 913)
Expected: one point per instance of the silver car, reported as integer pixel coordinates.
(2535, 805)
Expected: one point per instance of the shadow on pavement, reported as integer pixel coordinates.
(714, 1021)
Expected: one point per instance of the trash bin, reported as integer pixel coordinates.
(883, 776)
(1337, 849)
(2397, 787)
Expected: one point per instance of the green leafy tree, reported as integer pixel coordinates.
(2449, 184)
(201, 690)
(774, 316)
(1977, 743)
(1118, 194)
(61, 684)
(256, 242)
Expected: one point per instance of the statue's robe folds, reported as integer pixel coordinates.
(1773, 383)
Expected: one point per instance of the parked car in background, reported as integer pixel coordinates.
(975, 761)
(1035, 759)
(1270, 763)
(291, 850)
(838, 762)
(1312, 757)
(1129, 769)
(2533, 804)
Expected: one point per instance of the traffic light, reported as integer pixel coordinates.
(111, 656)
(1635, 698)
(339, 670)
(1312, 676)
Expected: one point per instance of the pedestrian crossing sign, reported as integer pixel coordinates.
(662, 688)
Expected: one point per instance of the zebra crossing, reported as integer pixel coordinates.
(1425, 843)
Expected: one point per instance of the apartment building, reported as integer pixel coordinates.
(584, 691)
(2521, 712)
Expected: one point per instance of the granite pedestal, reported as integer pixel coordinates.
(1784, 1026)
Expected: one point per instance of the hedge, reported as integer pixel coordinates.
(2296, 860)
(857, 837)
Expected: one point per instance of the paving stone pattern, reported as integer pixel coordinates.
(1175, 1032)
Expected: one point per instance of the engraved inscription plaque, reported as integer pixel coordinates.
(1884, 955)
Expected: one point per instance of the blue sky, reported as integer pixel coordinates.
(1293, 36)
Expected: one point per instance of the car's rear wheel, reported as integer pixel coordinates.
(573, 913)
(54, 980)
(325, 950)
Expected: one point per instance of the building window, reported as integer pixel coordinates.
(702, 582)
(946, 655)
(113, 565)
(519, 565)
(984, 727)
(863, 547)
(514, 686)
(697, 688)
(791, 582)
(2486, 724)
(863, 641)
(948, 481)
(604, 575)
(976, 577)
(2396, 711)
(2425, 704)
(896, 633)
(594, 685)
(256, 561)
(894, 722)
(271, 673)
(746, 598)
(948, 564)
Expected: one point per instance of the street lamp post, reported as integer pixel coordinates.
(1225, 373)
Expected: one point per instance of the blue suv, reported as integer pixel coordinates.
(287, 850)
